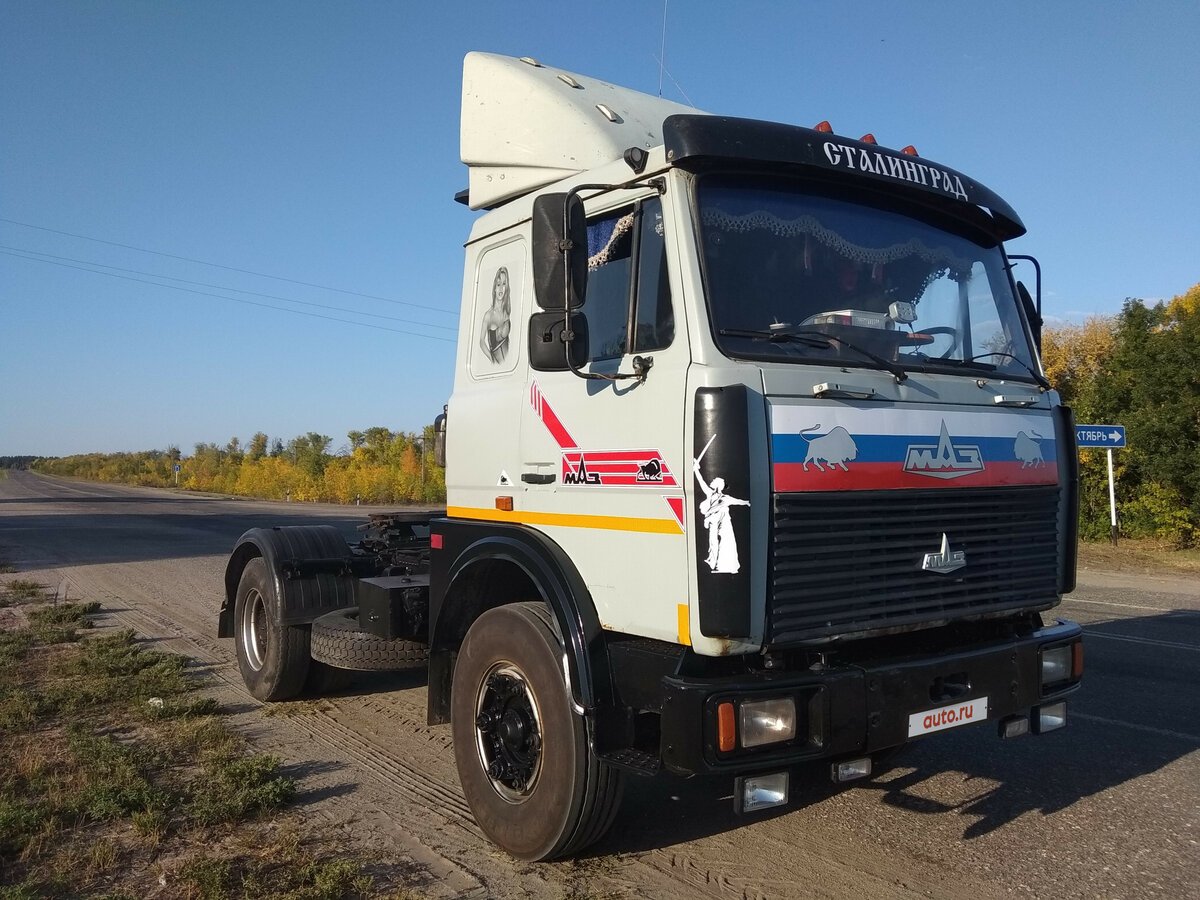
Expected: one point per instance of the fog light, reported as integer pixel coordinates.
(767, 721)
(1056, 665)
(852, 769)
(757, 792)
(1014, 726)
(1050, 717)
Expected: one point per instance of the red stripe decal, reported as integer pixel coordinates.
(885, 476)
(676, 504)
(556, 428)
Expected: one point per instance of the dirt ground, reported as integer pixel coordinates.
(1106, 808)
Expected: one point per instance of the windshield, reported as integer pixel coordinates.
(784, 265)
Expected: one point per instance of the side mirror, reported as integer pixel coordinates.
(439, 439)
(555, 248)
(548, 351)
(1032, 314)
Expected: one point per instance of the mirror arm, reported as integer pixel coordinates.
(567, 246)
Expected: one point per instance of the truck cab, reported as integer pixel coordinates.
(750, 460)
(805, 435)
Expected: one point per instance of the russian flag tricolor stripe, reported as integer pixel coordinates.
(820, 448)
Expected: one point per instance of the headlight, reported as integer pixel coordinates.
(1056, 665)
(768, 721)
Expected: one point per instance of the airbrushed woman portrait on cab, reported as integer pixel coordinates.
(497, 322)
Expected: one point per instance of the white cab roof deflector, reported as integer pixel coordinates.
(525, 125)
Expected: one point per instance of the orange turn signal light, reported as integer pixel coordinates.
(1077, 660)
(868, 138)
(726, 727)
(504, 504)
(824, 127)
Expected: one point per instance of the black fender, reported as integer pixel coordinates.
(464, 554)
(312, 569)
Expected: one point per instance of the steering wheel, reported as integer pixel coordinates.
(926, 336)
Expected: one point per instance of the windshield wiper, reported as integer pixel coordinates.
(974, 362)
(816, 340)
(776, 337)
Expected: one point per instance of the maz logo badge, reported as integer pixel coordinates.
(943, 459)
(945, 560)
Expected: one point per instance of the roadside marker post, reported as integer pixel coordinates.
(1110, 437)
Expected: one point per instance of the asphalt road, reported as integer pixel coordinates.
(1108, 807)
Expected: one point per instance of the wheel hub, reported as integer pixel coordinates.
(508, 733)
(254, 630)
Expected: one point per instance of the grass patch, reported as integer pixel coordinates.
(20, 591)
(59, 624)
(7, 568)
(113, 769)
(1142, 556)
(283, 868)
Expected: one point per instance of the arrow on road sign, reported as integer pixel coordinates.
(1112, 436)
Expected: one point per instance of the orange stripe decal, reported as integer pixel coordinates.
(567, 520)
(685, 624)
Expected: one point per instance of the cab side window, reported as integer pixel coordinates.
(627, 282)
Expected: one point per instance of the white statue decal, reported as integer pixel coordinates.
(722, 544)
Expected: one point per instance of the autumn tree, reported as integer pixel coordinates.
(258, 446)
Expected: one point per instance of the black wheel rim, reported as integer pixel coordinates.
(508, 732)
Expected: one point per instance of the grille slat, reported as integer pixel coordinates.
(849, 562)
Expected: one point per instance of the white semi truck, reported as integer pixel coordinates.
(750, 463)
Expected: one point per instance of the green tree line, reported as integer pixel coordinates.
(380, 466)
(1141, 369)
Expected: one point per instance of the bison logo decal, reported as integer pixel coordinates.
(836, 448)
(1028, 450)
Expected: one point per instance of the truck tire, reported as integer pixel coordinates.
(337, 642)
(273, 659)
(523, 756)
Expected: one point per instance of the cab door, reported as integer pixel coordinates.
(603, 462)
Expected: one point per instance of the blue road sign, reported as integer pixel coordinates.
(1100, 435)
(178, 466)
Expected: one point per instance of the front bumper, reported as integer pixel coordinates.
(860, 709)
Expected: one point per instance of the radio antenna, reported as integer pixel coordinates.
(662, 53)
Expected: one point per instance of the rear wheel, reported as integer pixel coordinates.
(273, 659)
(535, 787)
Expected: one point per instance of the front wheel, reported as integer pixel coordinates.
(531, 779)
(273, 659)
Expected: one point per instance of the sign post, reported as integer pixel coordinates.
(177, 468)
(1110, 437)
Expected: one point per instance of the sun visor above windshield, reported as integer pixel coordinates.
(691, 138)
(525, 125)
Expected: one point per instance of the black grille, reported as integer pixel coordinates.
(850, 561)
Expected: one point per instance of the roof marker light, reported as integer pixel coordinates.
(868, 138)
(569, 81)
(910, 150)
(824, 127)
(530, 61)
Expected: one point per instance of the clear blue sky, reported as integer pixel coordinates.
(319, 142)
